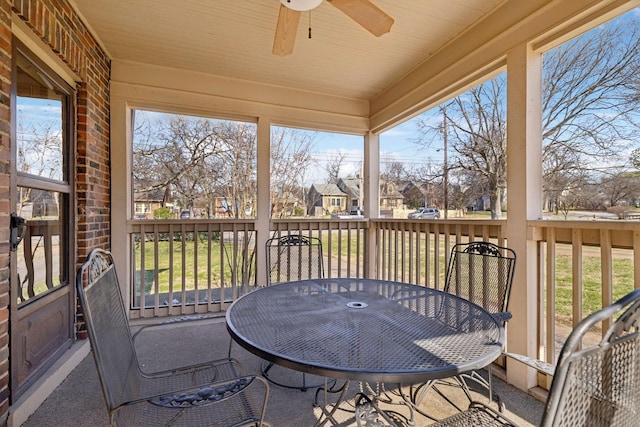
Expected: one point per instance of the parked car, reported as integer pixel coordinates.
(425, 213)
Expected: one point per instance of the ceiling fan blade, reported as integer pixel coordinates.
(286, 29)
(365, 13)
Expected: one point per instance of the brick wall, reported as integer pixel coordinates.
(56, 24)
(5, 158)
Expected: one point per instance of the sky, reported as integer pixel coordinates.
(396, 145)
(38, 120)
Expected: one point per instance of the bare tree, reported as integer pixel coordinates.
(291, 156)
(478, 129)
(211, 164)
(590, 103)
(175, 154)
(394, 171)
(334, 167)
(39, 152)
(590, 100)
(229, 176)
(620, 187)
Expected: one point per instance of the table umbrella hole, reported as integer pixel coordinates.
(357, 304)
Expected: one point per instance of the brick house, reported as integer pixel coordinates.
(145, 202)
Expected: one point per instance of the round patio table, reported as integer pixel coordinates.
(365, 330)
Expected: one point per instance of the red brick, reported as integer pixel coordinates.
(59, 28)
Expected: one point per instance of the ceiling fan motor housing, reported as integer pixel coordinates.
(301, 5)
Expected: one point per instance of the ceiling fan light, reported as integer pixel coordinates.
(301, 5)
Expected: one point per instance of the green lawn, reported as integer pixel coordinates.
(196, 267)
(591, 279)
(188, 267)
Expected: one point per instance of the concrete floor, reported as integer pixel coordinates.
(79, 402)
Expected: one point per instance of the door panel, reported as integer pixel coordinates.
(42, 257)
(40, 330)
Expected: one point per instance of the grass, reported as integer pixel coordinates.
(195, 269)
(191, 264)
(591, 282)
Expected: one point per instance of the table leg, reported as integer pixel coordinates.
(327, 415)
(368, 414)
(370, 397)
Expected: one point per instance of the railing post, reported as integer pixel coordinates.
(263, 214)
(524, 175)
(371, 199)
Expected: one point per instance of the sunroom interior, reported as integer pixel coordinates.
(217, 60)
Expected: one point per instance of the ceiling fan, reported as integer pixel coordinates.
(365, 13)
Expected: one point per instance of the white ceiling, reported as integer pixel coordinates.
(233, 38)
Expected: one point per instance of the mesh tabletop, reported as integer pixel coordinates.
(362, 329)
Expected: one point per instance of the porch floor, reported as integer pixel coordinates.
(78, 401)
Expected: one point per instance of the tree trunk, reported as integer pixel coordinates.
(496, 205)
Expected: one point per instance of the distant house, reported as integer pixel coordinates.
(38, 203)
(326, 199)
(481, 203)
(346, 196)
(352, 188)
(414, 194)
(224, 208)
(147, 201)
(390, 197)
(286, 204)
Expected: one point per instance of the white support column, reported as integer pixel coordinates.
(524, 181)
(371, 182)
(263, 208)
(121, 191)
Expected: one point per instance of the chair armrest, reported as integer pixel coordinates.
(223, 368)
(538, 364)
(173, 321)
(503, 316)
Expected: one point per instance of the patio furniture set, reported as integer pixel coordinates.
(372, 331)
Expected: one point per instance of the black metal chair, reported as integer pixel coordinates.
(593, 386)
(289, 258)
(293, 257)
(480, 272)
(212, 393)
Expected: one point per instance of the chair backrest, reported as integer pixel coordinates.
(107, 327)
(599, 385)
(482, 273)
(293, 257)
